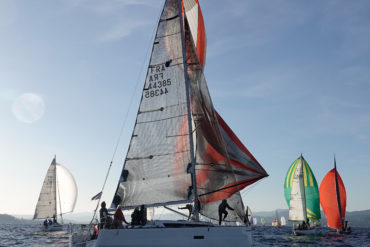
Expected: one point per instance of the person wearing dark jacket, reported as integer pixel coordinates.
(222, 210)
(104, 217)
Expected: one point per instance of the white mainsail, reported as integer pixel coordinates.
(297, 207)
(58, 193)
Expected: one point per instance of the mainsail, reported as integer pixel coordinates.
(159, 165)
(309, 191)
(333, 199)
(58, 193)
(47, 204)
(297, 203)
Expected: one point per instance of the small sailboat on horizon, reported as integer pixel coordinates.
(333, 199)
(58, 196)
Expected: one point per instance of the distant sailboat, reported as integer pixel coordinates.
(276, 222)
(283, 221)
(57, 197)
(254, 221)
(302, 196)
(333, 200)
(263, 221)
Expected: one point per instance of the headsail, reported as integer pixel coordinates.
(66, 189)
(194, 16)
(332, 186)
(310, 188)
(224, 165)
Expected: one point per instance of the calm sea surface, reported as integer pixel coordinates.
(30, 235)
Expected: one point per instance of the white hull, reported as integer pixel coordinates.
(180, 236)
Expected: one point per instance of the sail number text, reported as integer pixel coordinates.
(157, 82)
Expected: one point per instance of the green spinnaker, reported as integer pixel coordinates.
(310, 186)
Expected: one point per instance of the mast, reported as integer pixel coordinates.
(55, 188)
(187, 83)
(337, 192)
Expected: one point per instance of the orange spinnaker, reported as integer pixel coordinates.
(329, 202)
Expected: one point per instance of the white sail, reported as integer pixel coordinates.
(297, 208)
(46, 205)
(58, 193)
(66, 190)
(282, 221)
(254, 221)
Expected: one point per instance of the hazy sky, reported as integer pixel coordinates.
(289, 77)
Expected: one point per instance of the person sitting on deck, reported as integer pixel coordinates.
(222, 210)
(119, 218)
(135, 217)
(143, 215)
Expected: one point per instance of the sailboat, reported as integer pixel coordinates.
(283, 221)
(333, 200)
(263, 221)
(275, 221)
(181, 150)
(302, 197)
(255, 221)
(58, 196)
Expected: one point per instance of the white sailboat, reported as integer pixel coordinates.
(283, 221)
(255, 221)
(57, 197)
(181, 150)
(302, 199)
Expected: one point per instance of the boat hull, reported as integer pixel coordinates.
(181, 237)
(53, 228)
(314, 231)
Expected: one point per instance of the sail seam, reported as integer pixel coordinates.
(163, 119)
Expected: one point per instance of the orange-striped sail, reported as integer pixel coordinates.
(333, 198)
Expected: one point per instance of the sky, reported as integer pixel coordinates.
(289, 77)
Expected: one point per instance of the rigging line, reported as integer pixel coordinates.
(247, 189)
(124, 123)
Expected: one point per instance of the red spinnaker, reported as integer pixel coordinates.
(329, 201)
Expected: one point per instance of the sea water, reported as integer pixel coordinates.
(32, 235)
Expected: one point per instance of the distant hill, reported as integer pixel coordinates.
(8, 219)
(355, 218)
